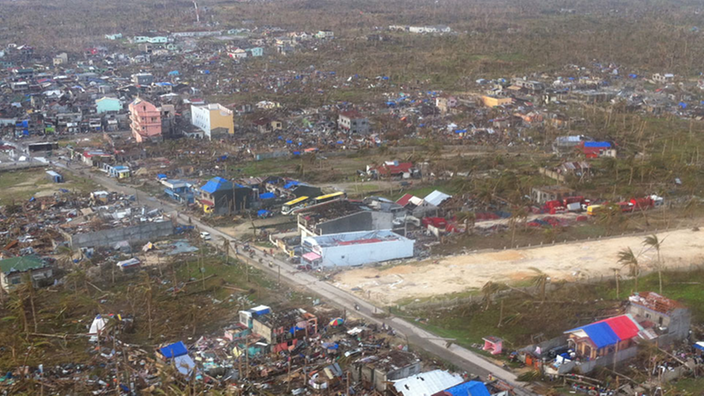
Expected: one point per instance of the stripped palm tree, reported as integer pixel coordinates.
(627, 258)
(489, 290)
(653, 242)
(540, 281)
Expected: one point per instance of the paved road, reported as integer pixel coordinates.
(457, 355)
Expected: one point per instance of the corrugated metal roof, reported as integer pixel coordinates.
(426, 384)
(436, 197)
(215, 184)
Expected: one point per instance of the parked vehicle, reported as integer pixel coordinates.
(205, 236)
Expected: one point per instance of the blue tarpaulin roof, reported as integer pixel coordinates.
(215, 184)
(471, 388)
(174, 73)
(597, 144)
(292, 183)
(160, 176)
(600, 333)
(267, 195)
(173, 350)
(262, 212)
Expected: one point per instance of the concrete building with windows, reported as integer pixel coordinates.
(353, 122)
(213, 119)
(145, 121)
(355, 248)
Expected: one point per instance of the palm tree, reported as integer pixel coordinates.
(617, 276)
(627, 258)
(16, 305)
(653, 242)
(518, 214)
(467, 218)
(146, 290)
(540, 281)
(489, 290)
(226, 249)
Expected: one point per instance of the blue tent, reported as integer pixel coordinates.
(174, 350)
(597, 144)
(289, 141)
(267, 195)
(296, 153)
(460, 131)
(340, 142)
(263, 213)
(683, 105)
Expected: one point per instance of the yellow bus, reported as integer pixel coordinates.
(329, 197)
(290, 206)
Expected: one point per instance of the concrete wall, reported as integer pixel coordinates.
(362, 221)
(607, 360)
(139, 233)
(366, 253)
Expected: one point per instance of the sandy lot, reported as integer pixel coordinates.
(578, 260)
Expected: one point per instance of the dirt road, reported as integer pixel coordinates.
(579, 260)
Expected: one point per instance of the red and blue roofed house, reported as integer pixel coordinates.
(604, 337)
(595, 149)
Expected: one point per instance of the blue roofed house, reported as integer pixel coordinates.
(220, 196)
(108, 105)
(216, 196)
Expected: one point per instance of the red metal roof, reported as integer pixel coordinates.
(403, 201)
(624, 326)
(402, 167)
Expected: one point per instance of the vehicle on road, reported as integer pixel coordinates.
(205, 236)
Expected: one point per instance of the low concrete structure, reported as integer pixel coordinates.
(138, 233)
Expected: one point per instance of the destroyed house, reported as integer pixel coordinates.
(393, 169)
(376, 371)
(667, 316)
(342, 216)
(13, 269)
(279, 327)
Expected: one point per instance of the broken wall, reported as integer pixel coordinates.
(139, 233)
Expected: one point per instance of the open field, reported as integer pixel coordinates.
(21, 185)
(573, 261)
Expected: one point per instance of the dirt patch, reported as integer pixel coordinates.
(580, 260)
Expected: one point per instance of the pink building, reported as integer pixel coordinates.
(146, 121)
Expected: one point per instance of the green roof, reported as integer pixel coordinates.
(21, 264)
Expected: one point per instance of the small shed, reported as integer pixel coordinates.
(493, 345)
(55, 177)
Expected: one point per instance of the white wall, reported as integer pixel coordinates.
(200, 118)
(366, 253)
